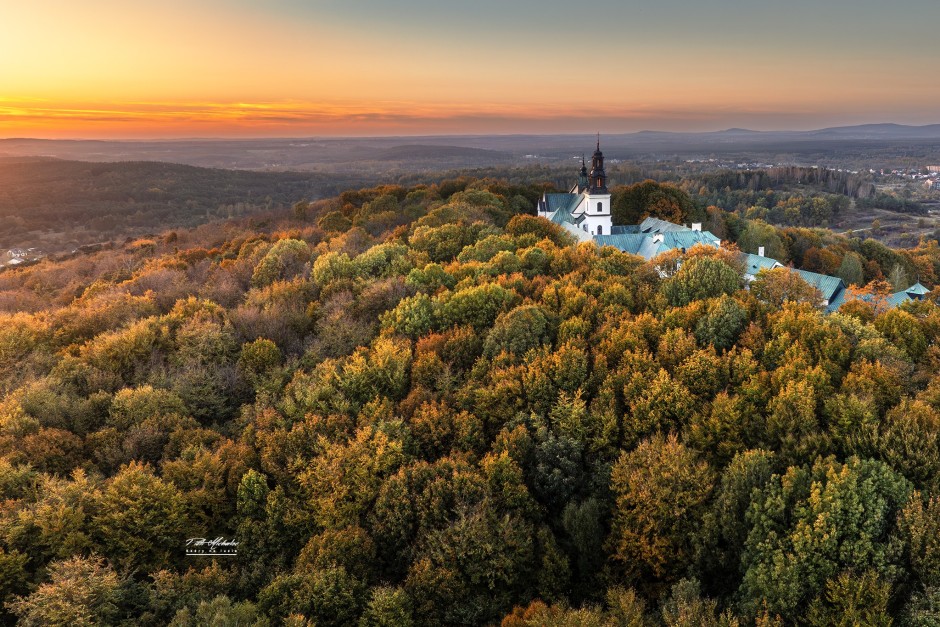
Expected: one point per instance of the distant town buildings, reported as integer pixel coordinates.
(19, 256)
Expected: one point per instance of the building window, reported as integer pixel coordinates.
(600, 205)
(600, 229)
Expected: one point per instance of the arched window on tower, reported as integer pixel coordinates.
(600, 229)
(600, 207)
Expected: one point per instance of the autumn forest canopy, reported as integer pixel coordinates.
(422, 405)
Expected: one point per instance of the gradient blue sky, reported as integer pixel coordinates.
(143, 68)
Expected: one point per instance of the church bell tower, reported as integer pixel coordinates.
(598, 176)
(596, 198)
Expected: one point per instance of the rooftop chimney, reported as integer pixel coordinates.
(760, 251)
(696, 226)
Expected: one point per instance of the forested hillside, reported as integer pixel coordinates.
(420, 406)
(52, 203)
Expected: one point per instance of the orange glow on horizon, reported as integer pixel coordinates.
(139, 120)
(167, 120)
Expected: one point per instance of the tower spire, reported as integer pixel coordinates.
(582, 176)
(598, 178)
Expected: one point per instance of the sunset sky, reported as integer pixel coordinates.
(266, 68)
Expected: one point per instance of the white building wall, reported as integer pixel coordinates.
(596, 209)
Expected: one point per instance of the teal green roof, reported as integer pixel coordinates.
(561, 216)
(688, 239)
(828, 286)
(560, 206)
(899, 298)
(646, 246)
(836, 302)
(624, 229)
(694, 237)
(894, 300)
(554, 202)
(755, 263)
(674, 240)
(627, 242)
(917, 290)
(655, 225)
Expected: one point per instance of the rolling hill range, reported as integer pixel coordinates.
(416, 154)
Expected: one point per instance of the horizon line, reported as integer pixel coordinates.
(455, 135)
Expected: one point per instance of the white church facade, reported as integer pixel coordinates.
(587, 205)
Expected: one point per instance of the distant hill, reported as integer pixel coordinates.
(886, 131)
(881, 131)
(49, 202)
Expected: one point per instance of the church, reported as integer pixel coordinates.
(587, 205)
(585, 213)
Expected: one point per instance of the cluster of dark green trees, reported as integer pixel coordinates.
(419, 407)
(853, 184)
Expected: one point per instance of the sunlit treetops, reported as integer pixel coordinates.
(423, 406)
